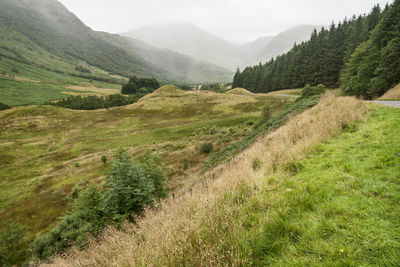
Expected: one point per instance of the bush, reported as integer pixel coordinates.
(309, 90)
(4, 106)
(293, 167)
(86, 217)
(135, 85)
(11, 236)
(95, 102)
(82, 69)
(155, 171)
(131, 186)
(256, 164)
(185, 164)
(143, 90)
(266, 115)
(104, 159)
(184, 87)
(206, 148)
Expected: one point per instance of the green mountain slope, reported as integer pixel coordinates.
(52, 27)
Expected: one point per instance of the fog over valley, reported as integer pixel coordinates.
(236, 21)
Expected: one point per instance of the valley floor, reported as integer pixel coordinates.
(46, 150)
(322, 190)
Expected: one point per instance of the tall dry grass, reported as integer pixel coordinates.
(201, 229)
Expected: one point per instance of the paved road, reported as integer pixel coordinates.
(395, 104)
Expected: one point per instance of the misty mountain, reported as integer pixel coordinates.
(255, 47)
(192, 41)
(51, 26)
(284, 41)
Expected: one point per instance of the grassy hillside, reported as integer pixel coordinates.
(321, 190)
(46, 150)
(30, 74)
(49, 25)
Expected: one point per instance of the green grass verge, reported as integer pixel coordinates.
(340, 209)
(229, 152)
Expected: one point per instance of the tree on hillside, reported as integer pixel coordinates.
(237, 81)
(135, 84)
(11, 236)
(131, 87)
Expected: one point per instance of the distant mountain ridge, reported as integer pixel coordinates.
(284, 41)
(49, 24)
(188, 39)
(255, 47)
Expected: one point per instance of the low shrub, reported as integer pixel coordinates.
(185, 164)
(206, 148)
(256, 164)
(83, 69)
(11, 236)
(95, 102)
(309, 90)
(131, 185)
(4, 106)
(265, 115)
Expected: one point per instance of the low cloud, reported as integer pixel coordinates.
(234, 20)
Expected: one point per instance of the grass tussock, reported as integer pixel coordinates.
(392, 94)
(208, 227)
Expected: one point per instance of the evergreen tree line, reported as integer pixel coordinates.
(131, 186)
(140, 85)
(95, 102)
(317, 61)
(374, 67)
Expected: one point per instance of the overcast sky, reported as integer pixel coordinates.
(234, 20)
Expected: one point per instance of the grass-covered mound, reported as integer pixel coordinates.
(239, 91)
